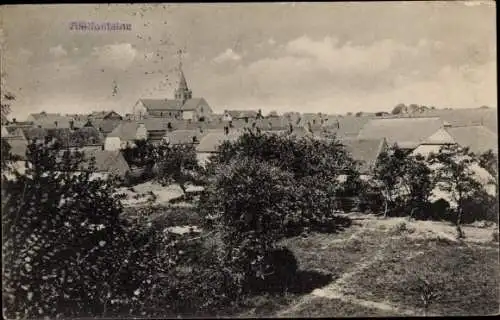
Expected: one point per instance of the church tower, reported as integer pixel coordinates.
(182, 93)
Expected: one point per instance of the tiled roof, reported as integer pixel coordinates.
(106, 125)
(155, 124)
(161, 104)
(366, 151)
(18, 145)
(406, 132)
(192, 104)
(479, 139)
(51, 121)
(109, 161)
(169, 104)
(183, 136)
(126, 130)
(214, 138)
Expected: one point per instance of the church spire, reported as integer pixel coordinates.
(182, 93)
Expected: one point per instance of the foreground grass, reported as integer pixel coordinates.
(386, 263)
(463, 275)
(465, 278)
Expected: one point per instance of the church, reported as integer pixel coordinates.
(182, 107)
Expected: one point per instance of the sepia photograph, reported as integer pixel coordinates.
(249, 160)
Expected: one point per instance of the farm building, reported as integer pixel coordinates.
(125, 134)
(184, 137)
(478, 139)
(407, 133)
(366, 151)
(210, 142)
(231, 115)
(17, 142)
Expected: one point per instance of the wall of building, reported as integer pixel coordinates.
(112, 143)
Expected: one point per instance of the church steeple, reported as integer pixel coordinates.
(182, 93)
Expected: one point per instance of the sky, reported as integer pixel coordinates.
(324, 57)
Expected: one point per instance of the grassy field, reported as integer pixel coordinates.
(376, 267)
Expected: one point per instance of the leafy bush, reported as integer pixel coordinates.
(62, 237)
(315, 166)
(68, 252)
(248, 205)
(405, 183)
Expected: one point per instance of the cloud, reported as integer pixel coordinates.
(119, 56)
(271, 41)
(58, 51)
(327, 76)
(348, 58)
(228, 55)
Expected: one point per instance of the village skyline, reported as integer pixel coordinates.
(352, 59)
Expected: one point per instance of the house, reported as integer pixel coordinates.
(124, 135)
(127, 132)
(12, 126)
(272, 114)
(105, 115)
(105, 126)
(247, 115)
(107, 163)
(481, 175)
(211, 141)
(87, 138)
(50, 120)
(478, 139)
(433, 143)
(4, 131)
(366, 151)
(407, 133)
(17, 142)
(184, 137)
(182, 107)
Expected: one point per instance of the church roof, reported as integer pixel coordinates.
(182, 81)
(172, 105)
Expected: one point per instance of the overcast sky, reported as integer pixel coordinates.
(326, 57)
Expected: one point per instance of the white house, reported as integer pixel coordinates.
(125, 134)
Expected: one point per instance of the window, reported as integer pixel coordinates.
(201, 109)
(170, 114)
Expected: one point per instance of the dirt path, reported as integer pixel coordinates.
(339, 289)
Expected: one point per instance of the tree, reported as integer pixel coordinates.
(6, 99)
(405, 181)
(399, 109)
(177, 164)
(455, 175)
(247, 204)
(388, 173)
(489, 161)
(315, 165)
(62, 235)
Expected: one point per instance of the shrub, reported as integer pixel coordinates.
(62, 237)
(248, 205)
(69, 253)
(315, 166)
